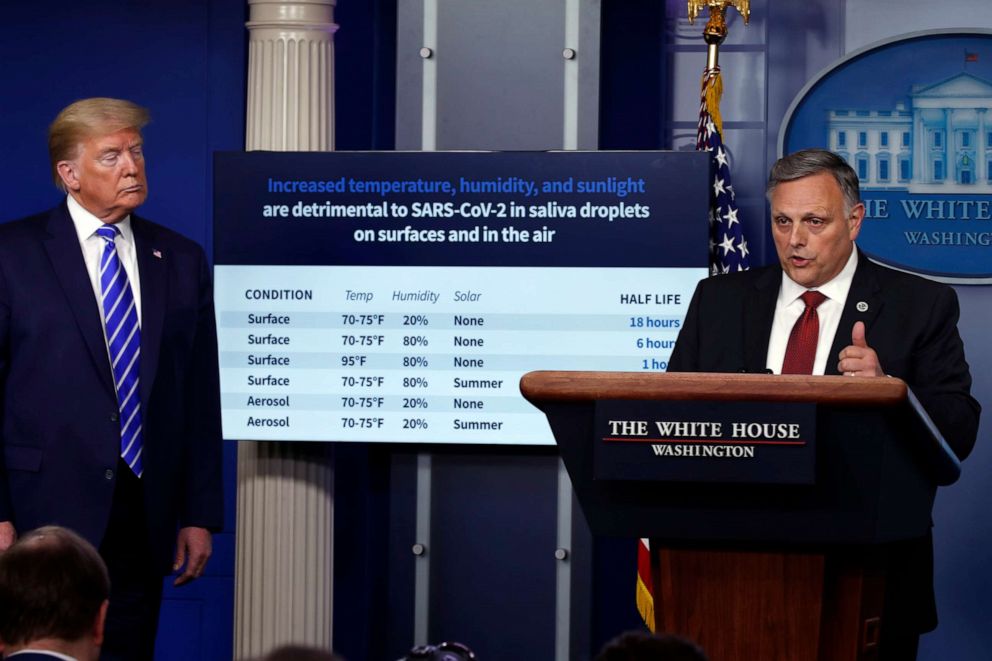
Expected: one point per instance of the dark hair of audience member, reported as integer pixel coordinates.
(644, 646)
(300, 653)
(52, 585)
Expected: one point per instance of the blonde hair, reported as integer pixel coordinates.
(87, 118)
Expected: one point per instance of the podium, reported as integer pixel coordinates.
(755, 567)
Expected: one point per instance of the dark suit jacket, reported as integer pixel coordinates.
(60, 428)
(910, 322)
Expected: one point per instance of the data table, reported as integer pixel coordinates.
(427, 354)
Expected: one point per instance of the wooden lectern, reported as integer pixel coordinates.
(759, 571)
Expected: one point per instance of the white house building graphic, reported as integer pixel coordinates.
(941, 144)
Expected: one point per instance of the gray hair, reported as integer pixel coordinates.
(814, 161)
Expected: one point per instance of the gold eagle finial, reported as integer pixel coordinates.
(720, 6)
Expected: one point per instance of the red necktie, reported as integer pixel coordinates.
(800, 353)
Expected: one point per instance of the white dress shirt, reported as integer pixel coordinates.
(789, 307)
(51, 653)
(92, 246)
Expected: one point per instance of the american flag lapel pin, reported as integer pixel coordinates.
(157, 253)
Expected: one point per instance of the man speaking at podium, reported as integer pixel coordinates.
(109, 397)
(826, 309)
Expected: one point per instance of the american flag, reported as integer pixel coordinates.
(728, 253)
(728, 248)
(645, 583)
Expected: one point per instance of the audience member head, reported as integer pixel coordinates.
(53, 594)
(644, 646)
(300, 653)
(446, 651)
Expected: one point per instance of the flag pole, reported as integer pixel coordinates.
(714, 35)
(726, 234)
(716, 28)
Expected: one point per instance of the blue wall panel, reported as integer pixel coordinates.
(185, 61)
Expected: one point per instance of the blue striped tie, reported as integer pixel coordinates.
(124, 340)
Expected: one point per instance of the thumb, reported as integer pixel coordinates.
(858, 335)
(180, 556)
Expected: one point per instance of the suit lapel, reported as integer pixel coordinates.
(62, 246)
(759, 313)
(152, 268)
(864, 293)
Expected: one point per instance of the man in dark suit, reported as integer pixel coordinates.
(864, 320)
(108, 373)
(53, 597)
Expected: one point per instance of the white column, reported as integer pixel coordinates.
(291, 75)
(284, 560)
(921, 158)
(981, 154)
(949, 173)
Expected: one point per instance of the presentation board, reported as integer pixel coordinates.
(399, 297)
